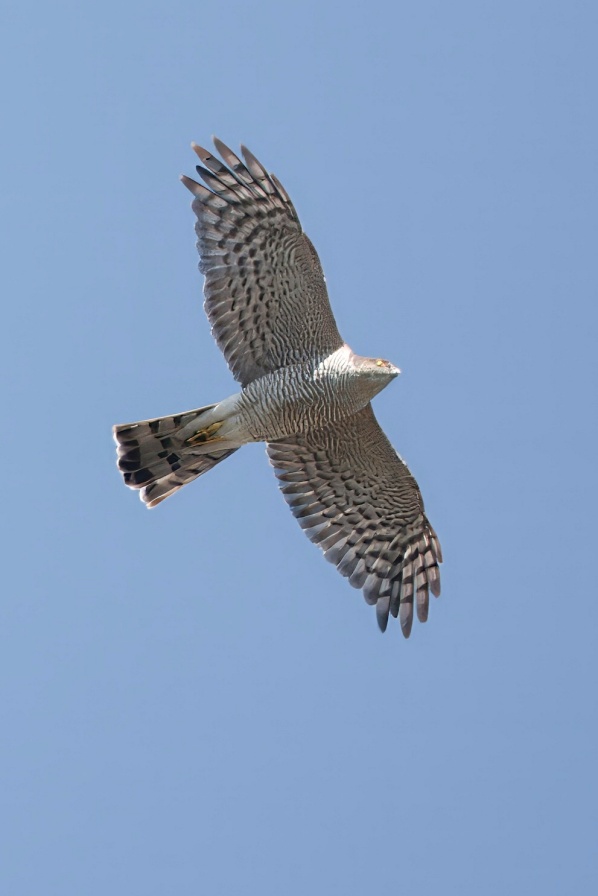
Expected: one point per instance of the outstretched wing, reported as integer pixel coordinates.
(265, 294)
(355, 498)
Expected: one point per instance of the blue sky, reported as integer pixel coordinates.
(193, 700)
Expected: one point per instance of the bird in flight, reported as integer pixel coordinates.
(304, 393)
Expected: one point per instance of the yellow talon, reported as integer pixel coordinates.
(204, 435)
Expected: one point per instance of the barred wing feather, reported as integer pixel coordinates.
(355, 498)
(265, 294)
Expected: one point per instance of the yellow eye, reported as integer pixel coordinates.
(379, 363)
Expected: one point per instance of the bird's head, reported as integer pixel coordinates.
(378, 371)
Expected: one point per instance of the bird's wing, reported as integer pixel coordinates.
(265, 293)
(355, 498)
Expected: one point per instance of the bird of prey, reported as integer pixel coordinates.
(304, 393)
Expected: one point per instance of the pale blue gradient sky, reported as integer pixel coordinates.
(193, 701)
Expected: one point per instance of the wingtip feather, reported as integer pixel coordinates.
(382, 610)
(193, 187)
(406, 617)
(201, 152)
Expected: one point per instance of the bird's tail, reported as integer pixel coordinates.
(160, 456)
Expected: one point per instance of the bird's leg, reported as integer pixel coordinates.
(208, 434)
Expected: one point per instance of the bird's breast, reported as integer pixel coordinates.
(299, 398)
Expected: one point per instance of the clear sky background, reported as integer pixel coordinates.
(192, 699)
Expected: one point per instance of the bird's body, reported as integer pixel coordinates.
(304, 396)
(303, 392)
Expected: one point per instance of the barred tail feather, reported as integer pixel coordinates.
(155, 457)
